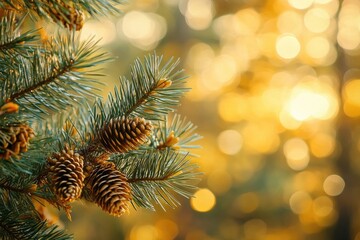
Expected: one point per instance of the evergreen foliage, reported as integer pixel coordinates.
(48, 87)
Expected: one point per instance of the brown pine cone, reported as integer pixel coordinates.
(70, 18)
(66, 174)
(18, 140)
(122, 135)
(109, 189)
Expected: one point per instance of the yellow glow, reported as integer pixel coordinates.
(144, 30)
(287, 46)
(300, 202)
(305, 104)
(307, 181)
(219, 181)
(203, 201)
(260, 138)
(296, 152)
(233, 107)
(352, 98)
(317, 20)
(230, 142)
(323, 1)
(290, 22)
(247, 202)
(267, 43)
(288, 122)
(312, 99)
(318, 47)
(325, 214)
(300, 4)
(247, 21)
(323, 206)
(348, 38)
(334, 185)
(199, 14)
(322, 145)
(102, 29)
(220, 73)
(200, 56)
(225, 27)
(144, 232)
(167, 229)
(351, 92)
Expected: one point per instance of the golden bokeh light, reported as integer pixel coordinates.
(167, 229)
(296, 152)
(300, 202)
(301, 4)
(230, 142)
(203, 201)
(260, 138)
(307, 181)
(233, 107)
(312, 99)
(144, 232)
(104, 30)
(317, 20)
(323, 206)
(290, 22)
(352, 98)
(334, 185)
(144, 30)
(318, 47)
(322, 145)
(287, 46)
(348, 35)
(247, 21)
(199, 14)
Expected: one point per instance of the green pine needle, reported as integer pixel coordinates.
(26, 225)
(65, 71)
(157, 177)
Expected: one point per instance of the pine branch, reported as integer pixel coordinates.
(26, 225)
(157, 176)
(177, 134)
(40, 7)
(15, 192)
(11, 40)
(152, 92)
(55, 79)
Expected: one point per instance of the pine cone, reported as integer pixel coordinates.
(109, 189)
(66, 174)
(73, 17)
(18, 140)
(122, 135)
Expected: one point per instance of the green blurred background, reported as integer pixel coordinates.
(276, 97)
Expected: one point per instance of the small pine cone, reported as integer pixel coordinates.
(66, 174)
(73, 17)
(122, 135)
(109, 189)
(18, 140)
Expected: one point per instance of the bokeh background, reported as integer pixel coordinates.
(276, 97)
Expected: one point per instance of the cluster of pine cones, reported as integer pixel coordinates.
(70, 172)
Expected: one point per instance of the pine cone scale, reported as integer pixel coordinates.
(110, 189)
(66, 174)
(122, 135)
